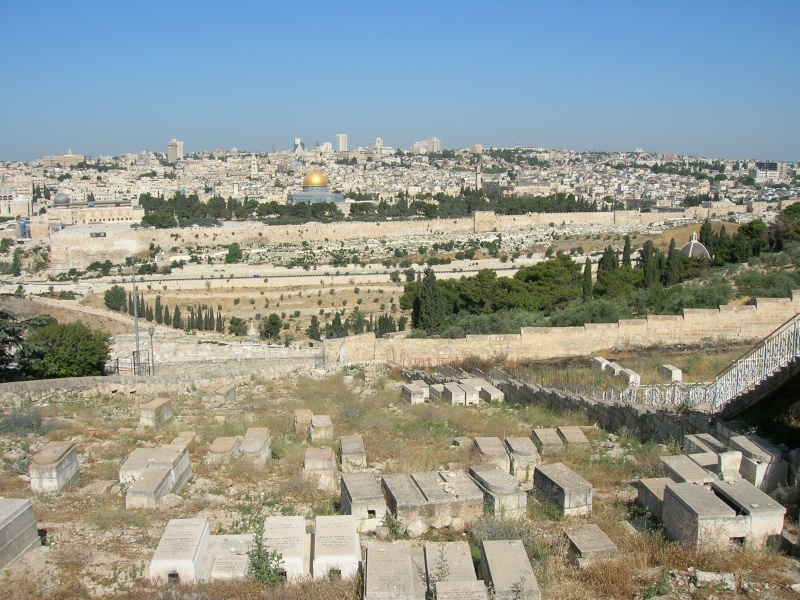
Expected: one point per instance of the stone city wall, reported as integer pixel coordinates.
(729, 323)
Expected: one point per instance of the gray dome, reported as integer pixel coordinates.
(694, 249)
(61, 199)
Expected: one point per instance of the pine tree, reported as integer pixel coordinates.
(626, 252)
(159, 314)
(587, 280)
(177, 322)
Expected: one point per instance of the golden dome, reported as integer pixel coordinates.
(315, 179)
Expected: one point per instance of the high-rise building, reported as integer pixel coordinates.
(298, 145)
(341, 142)
(174, 150)
(435, 145)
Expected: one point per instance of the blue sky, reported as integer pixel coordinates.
(717, 79)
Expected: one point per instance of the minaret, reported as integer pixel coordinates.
(253, 166)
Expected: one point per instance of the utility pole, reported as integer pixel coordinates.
(137, 364)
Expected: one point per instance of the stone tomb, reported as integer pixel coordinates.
(255, 447)
(448, 561)
(179, 555)
(389, 572)
(18, 532)
(524, 457)
(599, 364)
(672, 373)
(695, 516)
(587, 544)
(573, 437)
(223, 450)
(320, 464)
(437, 511)
(491, 450)
(571, 492)
(220, 394)
(423, 386)
(650, 495)
(321, 428)
(414, 393)
(436, 391)
(682, 469)
(501, 491)
(226, 557)
(702, 442)
(547, 441)
(706, 460)
(471, 394)
(454, 394)
(155, 412)
(148, 490)
(287, 535)
(461, 590)
(762, 463)
(352, 453)
(336, 547)
(766, 515)
(403, 497)
(467, 496)
(506, 569)
(184, 438)
(362, 498)
(302, 421)
(489, 393)
(54, 467)
(152, 473)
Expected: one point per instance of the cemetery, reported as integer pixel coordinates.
(468, 492)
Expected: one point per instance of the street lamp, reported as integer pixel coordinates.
(152, 331)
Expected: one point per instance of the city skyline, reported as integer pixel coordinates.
(683, 78)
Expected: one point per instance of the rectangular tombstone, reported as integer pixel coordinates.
(755, 448)
(461, 590)
(180, 552)
(184, 438)
(730, 461)
(471, 394)
(696, 517)
(612, 368)
(765, 476)
(683, 469)
(220, 394)
(336, 546)
(18, 532)
(524, 457)
(255, 447)
(693, 444)
(489, 393)
(302, 421)
(174, 458)
(403, 497)
(507, 570)
(713, 444)
(547, 441)
(630, 377)
(673, 374)
(153, 484)
(454, 394)
(559, 484)
(706, 460)
(436, 391)
(501, 492)
(449, 561)
(155, 412)
(287, 535)
(438, 508)
(491, 450)
(766, 515)
(223, 449)
(599, 364)
(54, 467)
(423, 386)
(587, 544)
(651, 495)
(321, 428)
(573, 437)
(477, 382)
(362, 498)
(413, 393)
(353, 454)
(389, 572)
(468, 496)
(319, 464)
(226, 557)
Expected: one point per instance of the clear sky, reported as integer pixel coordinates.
(718, 79)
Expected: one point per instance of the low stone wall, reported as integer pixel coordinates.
(729, 323)
(200, 375)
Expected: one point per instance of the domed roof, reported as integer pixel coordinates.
(315, 179)
(61, 199)
(694, 249)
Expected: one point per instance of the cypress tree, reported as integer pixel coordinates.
(219, 322)
(587, 281)
(167, 316)
(626, 252)
(130, 304)
(428, 314)
(177, 322)
(190, 319)
(672, 274)
(159, 315)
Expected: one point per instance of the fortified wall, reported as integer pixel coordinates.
(728, 323)
(72, 249)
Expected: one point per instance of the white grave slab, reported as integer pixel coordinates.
(180, 552)
(336, 546)
(287, 535)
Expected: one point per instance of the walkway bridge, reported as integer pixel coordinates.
(768, 372)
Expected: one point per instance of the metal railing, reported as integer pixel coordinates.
(778, 350)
